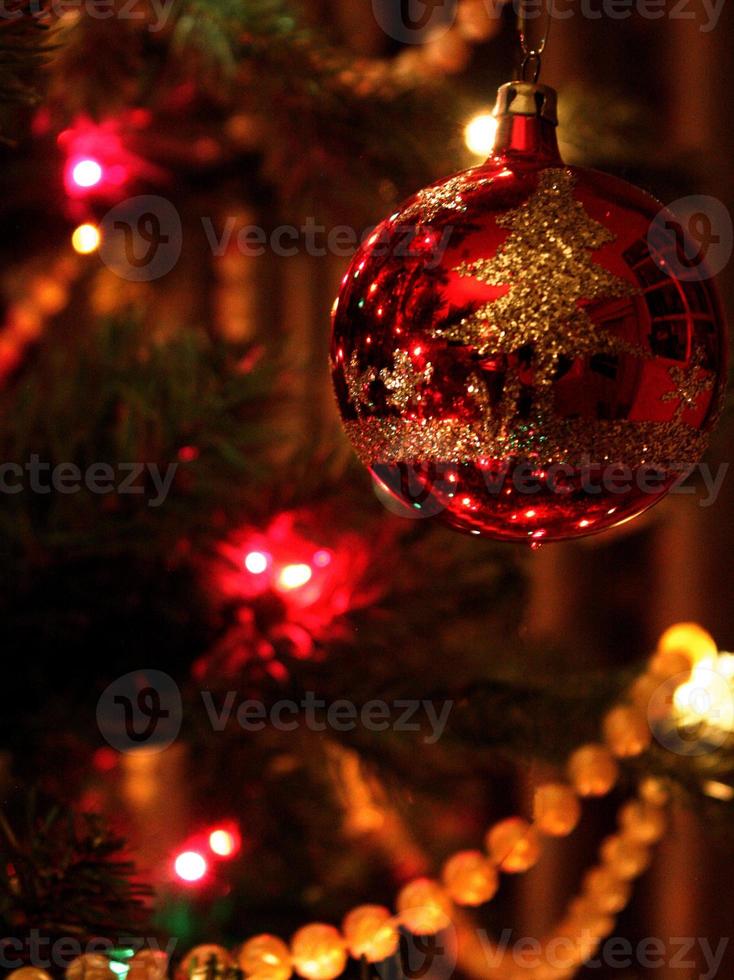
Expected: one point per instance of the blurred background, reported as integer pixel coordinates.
(263, 114)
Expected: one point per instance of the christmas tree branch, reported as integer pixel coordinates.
(62, 875)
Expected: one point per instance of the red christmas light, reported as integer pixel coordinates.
(86, 173)
(190, 866)
(256, 562)
(98, 162)
(288, 589)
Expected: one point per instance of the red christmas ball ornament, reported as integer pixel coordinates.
(525, 350)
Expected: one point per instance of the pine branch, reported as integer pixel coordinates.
(110, 395)
(64, 875)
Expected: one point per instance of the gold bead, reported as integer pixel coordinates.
(196, 964)
(89, 966)
(470, 878)
(556, 809)
(592, 770)
(642, 690)
(668, 663)
(608, 893)
(689, 639)
(318, 952)
(148, 964)
(626, 731)
(513, 845)
(562, 952)
(424, 907)
(265, 957)
(585, 916)
(642, 822)
(626, 858)
(371, 931)
(655, 791)
(28, 973)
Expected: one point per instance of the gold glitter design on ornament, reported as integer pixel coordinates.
(402, 383)
(479, 393)
(433, 202)
(544, 262)
(358, 382)
(672, 446)
(690, 384)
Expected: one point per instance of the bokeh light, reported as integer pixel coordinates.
(256, 562)
(85, 239)
(479, 134)
(190, 866)
(294, 576)
(86, 173)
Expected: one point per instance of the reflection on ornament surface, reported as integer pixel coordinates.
(512, 355)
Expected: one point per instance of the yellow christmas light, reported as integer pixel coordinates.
(708, 696)
(85, 239)
(479, 134)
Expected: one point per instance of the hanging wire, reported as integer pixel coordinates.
(531, 56)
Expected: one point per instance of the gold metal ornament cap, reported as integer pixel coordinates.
(527, 99)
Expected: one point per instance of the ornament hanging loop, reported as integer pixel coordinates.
(530, 68)
(531, 56)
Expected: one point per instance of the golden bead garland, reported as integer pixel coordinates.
(470, 878)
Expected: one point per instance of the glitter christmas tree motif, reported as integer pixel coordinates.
(402, 382)
(690, 383)
(545, 262)
(358, 382)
